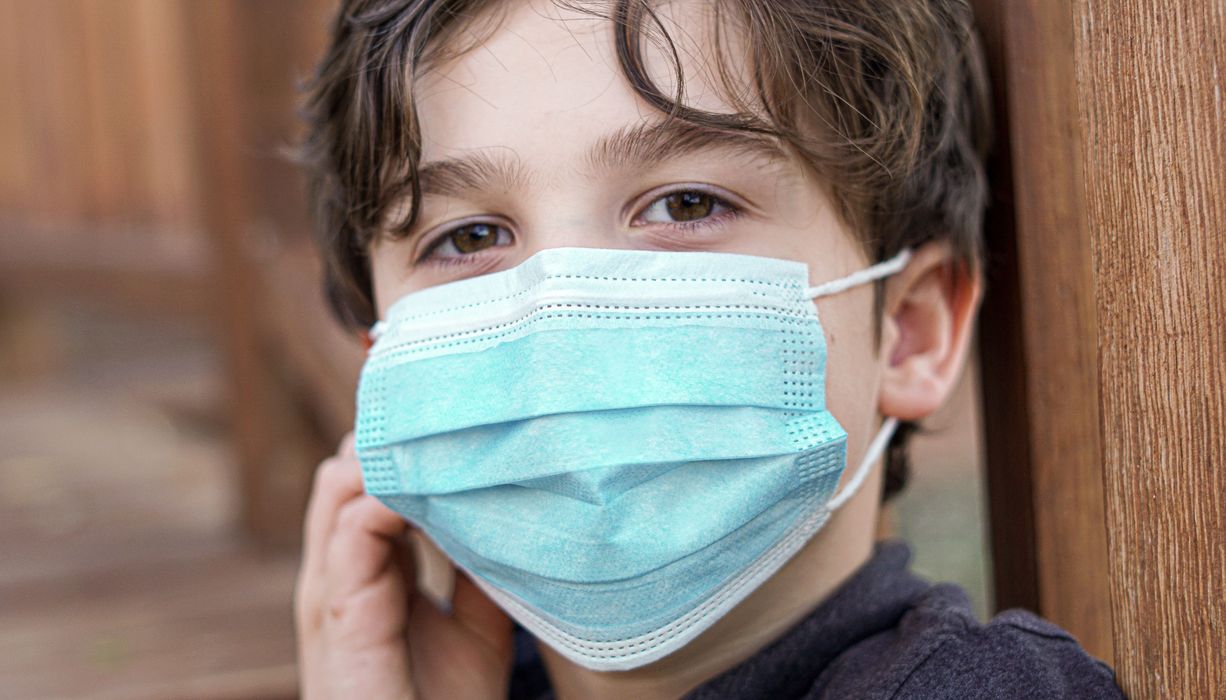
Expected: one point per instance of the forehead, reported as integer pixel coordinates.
(547, 80)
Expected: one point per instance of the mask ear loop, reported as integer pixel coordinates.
(376, 330)
(868, 274)
(874, 451)
(877, 447)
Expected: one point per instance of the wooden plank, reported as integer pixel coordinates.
(155, 291)
(13, 110)
(283, 39)
(49, 41)
(215, 59)
(1106, 391)
(1150, 84)
(279, 444)
(1003, 375)
(85, 177)
(171, 165)
(93, 129)
(122, 574)
(1060, 328)
(1054, 305)
(135, 616)
(118, 265)
(105, 76)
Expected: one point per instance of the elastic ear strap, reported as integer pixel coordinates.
(868, 274)
(377, 330)
(875, 450)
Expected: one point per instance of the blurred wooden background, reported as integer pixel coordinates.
(143, 173)
(145, 165)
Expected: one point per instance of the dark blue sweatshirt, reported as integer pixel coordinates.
(885, 633)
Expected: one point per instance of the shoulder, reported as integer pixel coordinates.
(940, 650)
(1015, 654)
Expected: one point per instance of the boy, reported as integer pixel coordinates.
(594, 241)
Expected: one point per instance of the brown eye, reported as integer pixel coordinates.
(689, 206)
(474, 237)
(466, 240)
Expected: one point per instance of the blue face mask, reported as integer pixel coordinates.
(618, 446)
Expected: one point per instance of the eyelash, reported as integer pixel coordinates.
(729, 211)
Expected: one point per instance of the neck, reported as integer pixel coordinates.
(833, 554)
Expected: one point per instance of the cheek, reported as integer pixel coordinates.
(388, 281)
(853, 371)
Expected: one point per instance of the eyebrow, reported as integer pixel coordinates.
(627, 148)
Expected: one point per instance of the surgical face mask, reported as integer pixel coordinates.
(618, 446)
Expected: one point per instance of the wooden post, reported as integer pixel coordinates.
(1152, 90)
(214, 61)
(1103, 349)
(1039, 343)
(1003, 378)
(277, 446)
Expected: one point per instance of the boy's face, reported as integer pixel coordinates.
(535, 140)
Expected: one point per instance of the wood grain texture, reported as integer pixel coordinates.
(1150, 84)
(1058, 316)
(1038, 334)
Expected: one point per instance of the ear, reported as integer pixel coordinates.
(929, 311)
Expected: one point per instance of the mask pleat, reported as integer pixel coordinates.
(650, 574)
(584, 443)
(701, 502)
(712, 360)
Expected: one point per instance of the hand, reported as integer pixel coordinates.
(364, 630)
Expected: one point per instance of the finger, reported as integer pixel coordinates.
(361, 546)
(337, 481)
(348, 446)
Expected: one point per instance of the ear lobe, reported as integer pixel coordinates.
(930, 307)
